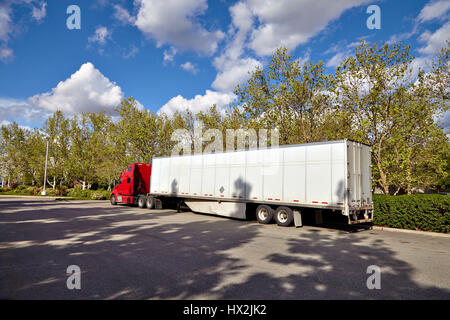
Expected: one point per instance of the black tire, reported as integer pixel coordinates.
(141, 202)
(113, 200)
(264, 214)
(284, 216)
(150, 203)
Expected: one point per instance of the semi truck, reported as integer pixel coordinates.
(279, 184)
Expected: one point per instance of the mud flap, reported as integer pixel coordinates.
(298, 219)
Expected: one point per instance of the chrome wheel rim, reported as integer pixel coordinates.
(262, 214)
(282, 216)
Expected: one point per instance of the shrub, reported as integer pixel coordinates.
(32, 191)
(51, 192)
(427, 212)
(61, 190)
(98, 196)
(21, 187)
(75, 192)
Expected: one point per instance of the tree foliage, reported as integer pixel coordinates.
(373, 97)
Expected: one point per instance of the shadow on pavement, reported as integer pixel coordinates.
(130, 253)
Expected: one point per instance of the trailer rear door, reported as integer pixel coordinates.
(359, 177)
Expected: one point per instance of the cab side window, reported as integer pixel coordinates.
(129, 168)
(120, 180)
(128, 180)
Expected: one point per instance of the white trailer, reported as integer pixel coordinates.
(275, 182)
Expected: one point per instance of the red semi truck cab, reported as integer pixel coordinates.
(133, 182)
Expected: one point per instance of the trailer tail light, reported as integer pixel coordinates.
(255, 198)
(340, 203)
(296, 201)
(315, 202)
(324, 202)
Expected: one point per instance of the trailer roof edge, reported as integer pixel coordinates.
(278, 147)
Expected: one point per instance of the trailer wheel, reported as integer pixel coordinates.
(264, 214)
(150, 203)
(284, 216)
(141, 202)
(113, 200)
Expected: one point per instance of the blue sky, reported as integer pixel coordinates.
(177, 54)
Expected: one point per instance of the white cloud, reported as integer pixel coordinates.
(131, 53)
(233, 67)
(123, 15)
(234, 73)
(337, 59)
(435, 41)
(290, 23)
(169, 54)
(40, 13)
(5, 53)
(175, 22)
(434, 10)
(5, 22)
(20, 110)
(6, 28)
(86, 90)
(7, 123)
(198, 103)
(100, 36)
(302, 60)
(188, 66)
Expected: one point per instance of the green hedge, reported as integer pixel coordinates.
(59, 191)
(89, 194)
(427, 212)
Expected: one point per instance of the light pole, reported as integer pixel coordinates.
(45, 171)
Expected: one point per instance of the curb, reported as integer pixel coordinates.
(426, 233)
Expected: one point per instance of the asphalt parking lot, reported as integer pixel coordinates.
(131, 253)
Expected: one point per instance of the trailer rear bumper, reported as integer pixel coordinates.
(360, 221)
(360, 216)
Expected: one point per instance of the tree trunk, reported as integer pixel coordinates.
(383, 180)
(52, 184)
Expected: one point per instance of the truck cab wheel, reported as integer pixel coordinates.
(284, 216)
(264, 214)
(150, 203)
(113, 200)
(141, 202)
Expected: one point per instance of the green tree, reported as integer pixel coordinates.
(138, 131)
(57, 129)
(289, 96)
(393, 114)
